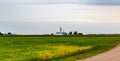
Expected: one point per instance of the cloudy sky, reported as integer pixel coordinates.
(46, 16)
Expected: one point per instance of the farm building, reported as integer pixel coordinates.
(61, 32)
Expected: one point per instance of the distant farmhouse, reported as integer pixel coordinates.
(61, 32)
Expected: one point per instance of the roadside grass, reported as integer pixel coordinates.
(53, 48)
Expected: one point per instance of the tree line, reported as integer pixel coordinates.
(9, 33)
(70, 33)
(75, 33)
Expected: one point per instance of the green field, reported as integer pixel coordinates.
(54, 48)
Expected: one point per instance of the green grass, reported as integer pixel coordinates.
(53, 48)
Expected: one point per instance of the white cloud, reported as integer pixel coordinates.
(38, 1)
(63, 13)
(60, 1)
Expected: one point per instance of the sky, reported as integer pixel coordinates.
(46, 16)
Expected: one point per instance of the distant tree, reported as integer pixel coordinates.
(70, 33)
(80, 33)
(52, 33)
(75, 33)
(9, 33)
(1, 33)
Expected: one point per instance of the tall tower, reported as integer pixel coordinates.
(60, 29)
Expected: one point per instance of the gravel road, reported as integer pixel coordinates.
(111, 55)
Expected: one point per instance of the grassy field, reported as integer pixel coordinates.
(53, 48)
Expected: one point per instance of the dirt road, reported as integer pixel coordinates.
(111, 55)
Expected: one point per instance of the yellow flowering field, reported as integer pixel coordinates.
(61, 51)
